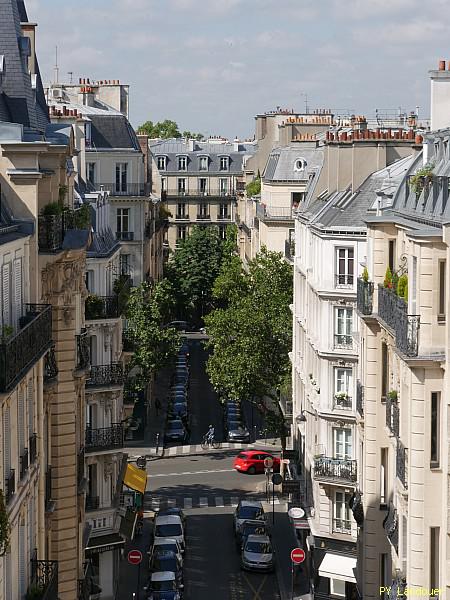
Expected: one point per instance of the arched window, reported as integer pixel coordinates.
(300, 164)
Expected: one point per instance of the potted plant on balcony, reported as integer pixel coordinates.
(402, 287)
(393, 395)
(365, 275)
(421, 179)
(341, 397)
(94, 306)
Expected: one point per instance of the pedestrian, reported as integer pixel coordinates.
(157, 405)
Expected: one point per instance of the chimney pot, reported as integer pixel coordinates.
(442, 65)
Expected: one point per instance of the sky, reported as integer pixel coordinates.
(212, 65)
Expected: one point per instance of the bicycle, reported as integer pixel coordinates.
(209, 443)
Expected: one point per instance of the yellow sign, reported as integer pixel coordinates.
(135, 478)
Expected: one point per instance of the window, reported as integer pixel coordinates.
(182, 163)
(345, 261)
(203, 210)
(413, 287)
(223, 211)
(222, 232)
(342, 443)
(17, 289)
(404, 543)
(90, 169)
(203, 163)
(296, 198)
(224, 163)
(163, 184)
(343, 328)
(300, 164)
(181, 232)
(384, 582)
(162, 162)
(343, 387)
(442, 278)
(125, 264)
(181, 210)
(121, 177)
(384, 371)
(223, 183)
(123, 220)
(435, 438)
(182, 187)
(392, 255)
(6, 297)
(342, 515)
(203, 186)
(434, 558)
(383, 475)
(337, 587)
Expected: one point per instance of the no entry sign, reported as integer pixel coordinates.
(297, 555)
(134, 557)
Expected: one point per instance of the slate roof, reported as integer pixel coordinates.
(173, 147)
(113, 131)
(280, 164)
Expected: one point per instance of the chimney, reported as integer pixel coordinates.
(440, 97)
(29, 31)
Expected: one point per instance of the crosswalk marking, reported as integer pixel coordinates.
(162, 502)
(186, 449)
(173, 451)
(234, 501)
(188, 503)
(219, 501)
(203, 502)
(198, 448)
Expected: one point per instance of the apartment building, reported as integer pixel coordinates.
(404, 376)
(199, 181)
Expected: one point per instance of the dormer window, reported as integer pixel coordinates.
(203, 163)
(182, 163)
(224, 163)
(162, 163)
(300, 164)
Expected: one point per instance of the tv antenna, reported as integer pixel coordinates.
(56, 65)
(305, 95)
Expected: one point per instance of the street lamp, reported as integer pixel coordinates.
(301, 418)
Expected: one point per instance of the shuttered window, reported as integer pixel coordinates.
(21, 420)
(8, 576)
(30, 402)
(22, 562)
(6, 442)
(31, 524)
(6, 299)
(17, 283)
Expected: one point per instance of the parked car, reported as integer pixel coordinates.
(163, 586)
(251, 527)
(245, 510)
(173, 511)
(165, 544)
(237, 432)
(252, 461)
(233, 410)
(179, 410)
(178, 387)
(165, 560)
(175, 431)
(169, 526)
(179, 325)
(180, 378)
(177, 395)
(257, 554)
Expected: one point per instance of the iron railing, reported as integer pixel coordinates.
(342, 340)
(360, 398)
(33, 448)
(50, 366)
(344, 281)
(83, 350)
(181, 217)
(48, 489)
(107, 438)
(393, 310)
(53, 228)
(342, 400)
(196, 193)
(289, 250)
(92, 503)
(364, 297)
(80, 467)
(274, 213)
(203, 217)
(390, 525)
(342, 526)
(402, 463)
(105, 375)
(44, 575)
(125, 189)
(20, 352)
(224, 217)
(393, 416)
(335, 469)
(10, 486)
(24, 463)
(125, 236)
(101, 307)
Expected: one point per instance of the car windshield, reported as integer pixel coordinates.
(253, 528)
(243, 456)
(175, 425)
(166, 548)
(164, 563)
(234, 425)
(249, 512)
(163, 586)
(168, 530)
(258, 547)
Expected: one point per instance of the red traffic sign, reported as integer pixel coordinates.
(268, 462)
(297, 555)
(134, 557)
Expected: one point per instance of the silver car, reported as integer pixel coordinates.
(257, 554)
(245, 510)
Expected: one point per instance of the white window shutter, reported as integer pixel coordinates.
(6, 298)
(22, 562)
(6, 442)
(30, 402)
(17, 282)
(21, 420)
(8, 576)
(31, 524)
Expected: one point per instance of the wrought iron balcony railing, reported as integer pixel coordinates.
(360, 398)
(44, 575)
(393, 310)
(125, 189)
(364, 297)
(344, 281)
(33, 448)
(390, 525)
(52, 228)
(23, 464)
(50, 366)
(102, 307)
(342, 526)
(335, 469)
(125, 236)
(107, 438)
(224, 217)
(92, 503)
(402, 463)
(10, 486)
(83, 351)
(21, 351)
(203, 217)
(393, 416)
(105, 375)
(196, 193)
(181, 217)
(342, 340)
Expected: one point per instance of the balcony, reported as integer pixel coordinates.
(125, 236)
(33, 448)
(203, 217)
(125, 189)
(401, 464)
(390, 525)
(364, 297)
(52, 228)
(21, 351)
(101, 307)
(50, 366)
(181, 217)
(105, 375)
(23, 464)
(10, 486)
(49, 503)
(44, 576)
(83, 351)
(342, 526)
(344, 281)
(274, 213)
(224, 217)
(196, 193)
(289, 250)
(393, 416)
(343, 401)
(393, 311)
(343, 341)
(80, 469)
(92, 503)
(335, 469)
(360, 398)
(107, 438)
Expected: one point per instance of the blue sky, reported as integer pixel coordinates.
(211, 65)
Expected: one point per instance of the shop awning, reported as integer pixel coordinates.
(337, 566)
(104, 543)
(135, 478)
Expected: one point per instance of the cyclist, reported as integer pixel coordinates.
(209, 437)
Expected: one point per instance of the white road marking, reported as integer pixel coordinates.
(186, 449)
(234, 501)
(188, 503)
(198, 448)
(203, 502)
(191, 473)
(219, 501)
(172, 451)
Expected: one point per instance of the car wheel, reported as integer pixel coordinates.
(251, 470)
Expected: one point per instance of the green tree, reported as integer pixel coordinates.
(193, 136)
(254, 187)
(148, 308)
(4, 526)
(162, 129)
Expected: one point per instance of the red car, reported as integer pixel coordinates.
(252, 461)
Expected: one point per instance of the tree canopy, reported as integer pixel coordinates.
(166, 129)
(254, 187)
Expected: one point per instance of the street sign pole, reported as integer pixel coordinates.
(292, 579)
(273, 503)
(138, 581)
